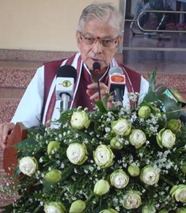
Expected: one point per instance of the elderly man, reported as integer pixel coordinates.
(99, 34)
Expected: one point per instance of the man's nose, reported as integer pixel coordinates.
(97, 47)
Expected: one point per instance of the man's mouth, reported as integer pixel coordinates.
(96, 59)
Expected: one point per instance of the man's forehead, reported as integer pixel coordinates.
(92, 34)
(101, 32)
(99, 25)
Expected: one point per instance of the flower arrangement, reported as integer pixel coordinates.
(106, 161)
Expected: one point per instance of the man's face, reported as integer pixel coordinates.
(99, 42)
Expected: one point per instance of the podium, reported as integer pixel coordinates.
(10, 160)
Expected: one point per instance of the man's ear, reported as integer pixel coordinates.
(78, 38)
(119, 41)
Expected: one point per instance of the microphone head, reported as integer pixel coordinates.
(116, 77)
(96, 67)
(65, 78)
(117, 84)
(67, 71)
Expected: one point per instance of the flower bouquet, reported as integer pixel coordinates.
(105, 161)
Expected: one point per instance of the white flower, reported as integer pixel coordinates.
(119, 179)
(166, 138)
(121, 127)
(133, 96)
(179, 193)
(101, 187)
(132, 200)
(103, 156)
(80, 120)
(54, 207)
(137, 138)
(149, 175)
(28, 165)
(77, 153)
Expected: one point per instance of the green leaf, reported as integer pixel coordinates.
(152, 81)
(101, 105)
(26, 147)
(150, 97)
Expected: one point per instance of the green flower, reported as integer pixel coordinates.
(80, 120)
(101, 187)
(178, 192)
(137, 138)
(77, 206)
(52, 147)
(144, 112)
(181, 210)
(133, 170)
(103, 156)
(166, 138)
(119, 179)
(149, 175)
(148, 209)
(116, 143)
(132, 200)
(121, 127)
(28, 165)
(77, 153)
(108, 211)
(53, 176)
(54, 207)
(183, 167)
(174, 125)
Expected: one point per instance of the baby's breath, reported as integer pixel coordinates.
(78, 180)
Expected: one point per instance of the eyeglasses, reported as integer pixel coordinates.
(105, 42)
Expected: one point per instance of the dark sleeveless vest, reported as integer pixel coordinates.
(51, 68)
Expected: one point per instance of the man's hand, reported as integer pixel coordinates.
(5, 129)
(92, 91)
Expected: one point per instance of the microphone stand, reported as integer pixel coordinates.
(96, 69)
(97, 76)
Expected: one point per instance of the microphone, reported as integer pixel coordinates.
(117, 85)
(65, 79)
(96, 69)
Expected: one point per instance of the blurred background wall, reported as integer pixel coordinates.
(41, 24)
